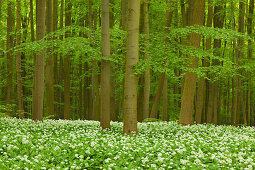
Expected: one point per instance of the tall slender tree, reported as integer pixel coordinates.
(49, 67)
(68, 21)
(146, 93)
(250, 50)
(18, 63)
(38, 87)
(10, 23)
(130, 84)
(106, 69)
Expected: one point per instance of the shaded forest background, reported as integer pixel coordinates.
(196, 60)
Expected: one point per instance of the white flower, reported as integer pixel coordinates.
(197, 161)
(107, 160)
(153, 165)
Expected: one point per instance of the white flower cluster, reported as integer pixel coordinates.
(61, 144)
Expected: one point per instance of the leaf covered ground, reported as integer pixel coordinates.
(59, 144)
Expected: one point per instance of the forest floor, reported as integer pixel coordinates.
(59, 144)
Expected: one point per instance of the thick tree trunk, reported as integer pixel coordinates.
(38, 88)
(105, 68)
(195, 15)
(130, 84)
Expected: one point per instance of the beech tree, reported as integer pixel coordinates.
(67, 114)
(130, 84)
(18, 63)
(106, 70)
(38, 86)
(10, 23)
(195, 15)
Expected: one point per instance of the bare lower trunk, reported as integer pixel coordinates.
(130, 84)
(49, 67)
(67, 107)
(38, 88)
(106, 69)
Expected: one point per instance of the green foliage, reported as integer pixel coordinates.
(2, 111)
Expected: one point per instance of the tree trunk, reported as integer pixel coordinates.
(195, 15)
(184, 13)
(32, 20)
(86, 93)
(10, 22)
(55, 56)
(154, 108)
(80, 102)
(114, 114)
(111, 13)
(250, 50)
(140, 99)
(67, 114)
(201, 84)
(218, 23)
(105, 68)
(49, 67)
(146, 97)
(165, 100)
(124, 12)
(234, 89)
(38, 88)
(130, 84)
(18, 64)
(239, 54)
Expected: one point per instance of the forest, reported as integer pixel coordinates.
(161, 72)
